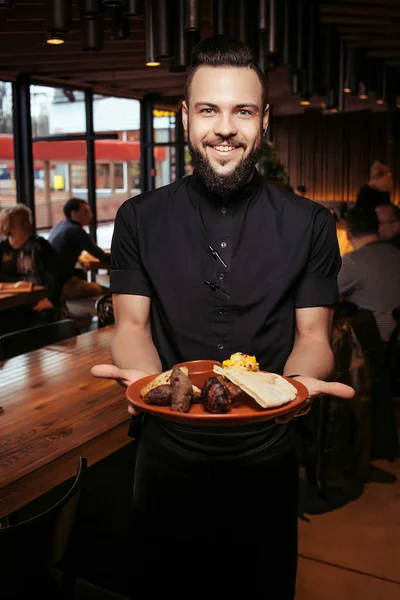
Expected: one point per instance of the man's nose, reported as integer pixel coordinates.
(225, 125)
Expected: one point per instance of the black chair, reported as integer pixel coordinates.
(27, 340)
(105, 311)
(31, 549)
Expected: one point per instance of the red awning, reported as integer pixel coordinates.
(105, 150)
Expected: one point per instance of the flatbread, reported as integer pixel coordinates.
(269, 390)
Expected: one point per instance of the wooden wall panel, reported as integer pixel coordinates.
(332, 154)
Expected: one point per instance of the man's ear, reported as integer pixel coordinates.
(185, 116)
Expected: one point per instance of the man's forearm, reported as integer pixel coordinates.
(133, 348)
(310, 358)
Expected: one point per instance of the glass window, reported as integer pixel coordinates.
(103, 181)
(57, 110)
(120, 176)
(8, 193)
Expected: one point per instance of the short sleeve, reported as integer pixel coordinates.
(318, 283)
(127, 273)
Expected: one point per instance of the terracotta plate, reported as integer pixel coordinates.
(246, 412)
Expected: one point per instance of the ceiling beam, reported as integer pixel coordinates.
(360, 9)
(343, 20)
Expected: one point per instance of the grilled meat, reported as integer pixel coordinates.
(181, 391)
(161, 395)
(215, 396)
(235, 393)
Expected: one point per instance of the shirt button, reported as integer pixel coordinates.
(223, 244)
(221, 276)
(223, 210)
(220, 346)
(221, 312)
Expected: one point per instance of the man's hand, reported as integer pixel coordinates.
(317, 388)
(43, 304)
(122, 376)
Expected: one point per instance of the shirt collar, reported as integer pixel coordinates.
(199, 193)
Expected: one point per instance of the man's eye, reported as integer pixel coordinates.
(244, 112)
(207, 111)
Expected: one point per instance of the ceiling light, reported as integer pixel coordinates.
(91, 35)
(58, 16)
(89, 9)
(347, 90)
(151, 60)
(362, 91)
(380, 101)
(133, 8)
(55, 39)
(305, 100)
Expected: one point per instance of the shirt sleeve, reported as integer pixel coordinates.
(347, 279)
(128, 275)
(318, 284)
(85, 242)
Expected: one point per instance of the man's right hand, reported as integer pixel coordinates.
(122, 376)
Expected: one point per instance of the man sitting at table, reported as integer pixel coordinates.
(389, 223)
(28, 257)
(370, 276)
(69, 239)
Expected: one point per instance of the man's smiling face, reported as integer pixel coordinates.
(223, 123)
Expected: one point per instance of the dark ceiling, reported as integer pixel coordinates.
(119, 67)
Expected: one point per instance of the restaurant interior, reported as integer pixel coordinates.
(90, 109)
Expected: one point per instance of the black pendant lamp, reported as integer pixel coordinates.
(119, 24)
(297, 72)
(91, 34)
(133, 8)
(192, 21)
(220, 17)
(161, 20)
(151, 60)
(180, 59)
(113, 3)
(382, 96)
(350, 82)
(90, 9)
(58, 16)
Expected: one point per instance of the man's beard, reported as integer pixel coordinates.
(231, 182)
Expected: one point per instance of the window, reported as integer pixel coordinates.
(8, 193)
(164, 156)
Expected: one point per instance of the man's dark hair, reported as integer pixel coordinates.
(302, 189)
(73, 204)
(224, 51)
(360, 222)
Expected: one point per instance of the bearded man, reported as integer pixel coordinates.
(216, 263)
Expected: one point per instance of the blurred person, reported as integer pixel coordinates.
(69, 239)
(377, 190)
(301, 190)
(27, 257)
(389, 223)
(370, 275)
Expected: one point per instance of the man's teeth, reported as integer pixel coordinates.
(224, 148)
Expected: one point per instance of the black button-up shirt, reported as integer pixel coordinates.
(225, 277)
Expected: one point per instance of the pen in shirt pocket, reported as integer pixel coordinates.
(216, 256)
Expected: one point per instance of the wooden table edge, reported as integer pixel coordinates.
(38, 482)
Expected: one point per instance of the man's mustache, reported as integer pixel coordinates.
(222, 141)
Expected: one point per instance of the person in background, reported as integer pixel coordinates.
(301, 190)
(69, 239)
(370, 276)
(389, 223)
(377, 190)
(28, 257)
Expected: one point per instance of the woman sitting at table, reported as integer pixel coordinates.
(28, 257)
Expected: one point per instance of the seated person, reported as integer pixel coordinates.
(370, 276)
(28, 257)
(69, 239)
(389, 223)
(377, 190)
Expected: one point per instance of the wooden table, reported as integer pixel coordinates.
(54, 412)
(14, 299)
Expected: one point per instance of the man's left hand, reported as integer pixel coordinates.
(317, 388)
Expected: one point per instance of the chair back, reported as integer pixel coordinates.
(35, 546)
(105, 310)
(27, 340)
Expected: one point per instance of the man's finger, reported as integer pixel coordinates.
(107, 372)
(340, 390)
